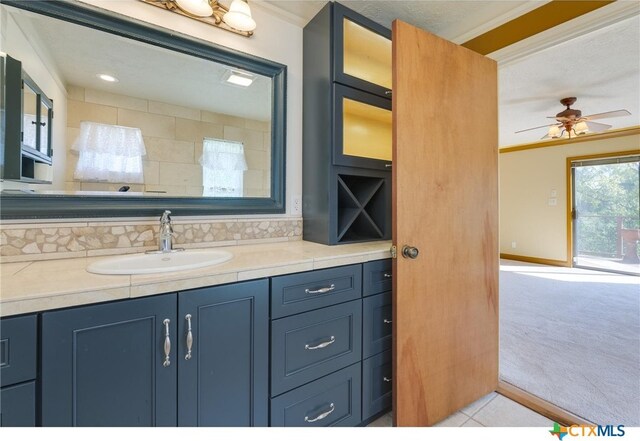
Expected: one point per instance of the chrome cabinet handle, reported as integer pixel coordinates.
(387, 321)
(321, 290)
(167, 343)
(388, 276)
(324, 344)
(388, 92)
(322, 416)
(388, 165)
(189, 337)
(386, 379)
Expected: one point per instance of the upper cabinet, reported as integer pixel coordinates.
(27, 115)
(361, 52)
(347, 128)
(347, 125)
(362, 129)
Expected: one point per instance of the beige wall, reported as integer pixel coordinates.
(527, 180)
(173, 139)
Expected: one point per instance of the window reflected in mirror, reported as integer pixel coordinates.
(135, 117)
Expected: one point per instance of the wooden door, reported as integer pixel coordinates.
(224, 379)
(105, 365)
(445, 204)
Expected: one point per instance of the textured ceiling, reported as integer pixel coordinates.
(144, 71)
(601, 69)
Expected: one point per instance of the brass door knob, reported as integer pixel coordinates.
(410, 252)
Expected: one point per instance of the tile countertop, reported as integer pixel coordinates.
(43, 285)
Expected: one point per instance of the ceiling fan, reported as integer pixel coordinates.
(570, 122)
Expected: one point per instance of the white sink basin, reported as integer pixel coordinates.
(159, 262)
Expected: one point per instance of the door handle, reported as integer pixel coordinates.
(409, 252)
(189, 337)
(167, 343)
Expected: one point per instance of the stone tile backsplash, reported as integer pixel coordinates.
(26, 242)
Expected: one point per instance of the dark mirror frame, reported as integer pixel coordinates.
(34, 206)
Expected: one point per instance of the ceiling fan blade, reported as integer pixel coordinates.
(597, 127)
(559, 118)
(534, 128)
(612, 114)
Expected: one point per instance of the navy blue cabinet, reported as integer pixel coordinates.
(106, 365)
(347, 128)
(223, 355)
(197, 358)
(18, 368)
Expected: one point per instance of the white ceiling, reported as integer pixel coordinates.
(143, 71)
(601, 68)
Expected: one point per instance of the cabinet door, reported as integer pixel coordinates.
(363, 129)
(105, 365)
(18, 405)
(361, 52)
(224, 381)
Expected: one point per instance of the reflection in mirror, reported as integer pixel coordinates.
(30, 106)
(134, 115)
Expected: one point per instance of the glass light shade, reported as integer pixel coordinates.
(239, 16)
(554, 132)
(198, 8)
(581, 128)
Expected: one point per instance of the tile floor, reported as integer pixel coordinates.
(492, 410)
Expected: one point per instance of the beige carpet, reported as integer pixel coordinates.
(572, 337)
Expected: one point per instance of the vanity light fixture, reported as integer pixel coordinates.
(234, 18)
(108, 78)
(237, 78)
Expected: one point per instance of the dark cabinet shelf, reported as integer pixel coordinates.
(347, 124)
(361, 208)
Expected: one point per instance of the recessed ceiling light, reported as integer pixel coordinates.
(239, 78)
(108, 78)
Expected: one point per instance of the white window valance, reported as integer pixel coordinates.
(109, 153)
(223, 165)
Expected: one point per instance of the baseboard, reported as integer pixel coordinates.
(538, 260)
(543, 407)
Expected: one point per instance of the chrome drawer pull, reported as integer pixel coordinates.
(322, 416)
(386, 379)
(387, 275)
(321, 290)
(167, 343)
(387, 321)
(189, 337)
(324, 344)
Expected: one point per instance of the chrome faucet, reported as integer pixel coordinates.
(165, 237)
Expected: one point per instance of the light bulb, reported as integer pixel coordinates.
(581, 128)
(554, 132)
(239, 16)
(198, 8)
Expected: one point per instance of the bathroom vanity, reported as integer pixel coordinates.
(301, 339)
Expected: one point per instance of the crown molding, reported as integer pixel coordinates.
(598, 19)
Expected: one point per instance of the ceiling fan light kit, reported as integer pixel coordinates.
(570, 123)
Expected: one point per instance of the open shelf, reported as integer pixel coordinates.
(361, 208)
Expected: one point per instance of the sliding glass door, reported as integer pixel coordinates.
(606, 214)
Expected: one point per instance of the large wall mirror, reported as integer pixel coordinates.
(145, 120)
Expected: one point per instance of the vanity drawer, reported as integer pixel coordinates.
(18, 347)
(303, 292)
(18, 405)
(307, 346)
(376, 384)
(333, 400)
(376, 324)
(376, 277)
